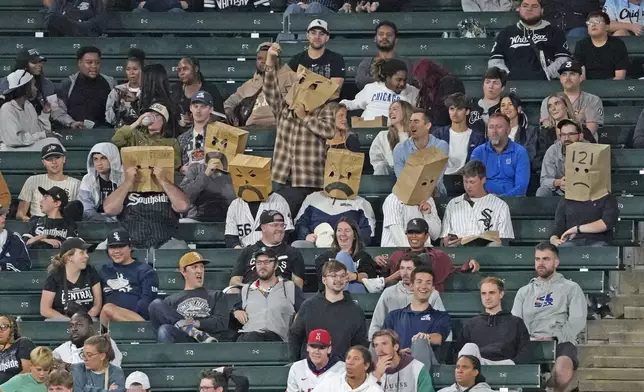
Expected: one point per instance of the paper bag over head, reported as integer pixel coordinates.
(251, 177)
(312, 91)
(420, 176)
(147, 158)
(588, 168)
(226, 139)
(342, 173)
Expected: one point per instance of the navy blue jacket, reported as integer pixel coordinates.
(476, 138)
(408, 323)
(14, 255)
(132, 286)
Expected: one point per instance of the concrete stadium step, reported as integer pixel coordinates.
(599, 329)
(634, 312)
(587, 351)
(610, 386)
(620, 302)
(626, 337)
(627, 374)
(617, 362)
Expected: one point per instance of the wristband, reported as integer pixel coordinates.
(579, 229)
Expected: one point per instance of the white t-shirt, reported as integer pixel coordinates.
(488, 213)
(31, 194)
(71, 354)
(623, 11)
(375, 99)
(513, 132)
(458, 145)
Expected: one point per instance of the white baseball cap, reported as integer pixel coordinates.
(319, 24)
(325, 234)
(159, 108)
(17, 79)
(137, 378)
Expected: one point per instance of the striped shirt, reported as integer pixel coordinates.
(241, 223)
(149, 218)
(30, 193)
(397, 214)
(470, 217)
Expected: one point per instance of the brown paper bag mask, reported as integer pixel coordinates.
(420, 176)
(342, 173)
(312, 91)
(251, 177)
(588, 169)
(226, 139)
(147, 158)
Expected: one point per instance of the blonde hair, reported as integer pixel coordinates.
(58, 261)
(42, 356)
(550, 122)
(392, 134)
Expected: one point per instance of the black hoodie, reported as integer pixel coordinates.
(499, 336)
(344, 320)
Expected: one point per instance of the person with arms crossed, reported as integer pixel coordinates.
(96, 368)
(318, 366)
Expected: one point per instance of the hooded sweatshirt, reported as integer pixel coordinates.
(317, 312)
(409, 376)
(22, 127)
(499, 336)
(480, 387)
(13, 252)
(552, 308)
(93, 189)
(513, 52)
(210, 196)
(375, 99)
(339, 384)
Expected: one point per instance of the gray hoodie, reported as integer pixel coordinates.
(552, 308)
(552, 166)
(209, 196)
(480, 387)
(486, 5)
(22, 127)
(90, 193)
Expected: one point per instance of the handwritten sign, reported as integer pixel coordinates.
(146, 159)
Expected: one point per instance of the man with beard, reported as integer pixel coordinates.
(248, 106)
(553, 180)
(81, 329)
(533, 49)
(507, 163)
(267, 304)
(319, 364)
(386, 39)
(553, 307)
(324, 311)
(13, 251)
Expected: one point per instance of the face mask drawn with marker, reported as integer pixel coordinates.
(420, 176)
(342, 173)
(588, 169)
(225, 139)
(251, 177)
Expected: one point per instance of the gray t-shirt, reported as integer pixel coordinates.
(589, 104)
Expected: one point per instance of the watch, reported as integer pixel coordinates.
(579, 229)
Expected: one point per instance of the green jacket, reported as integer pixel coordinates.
(128, 137)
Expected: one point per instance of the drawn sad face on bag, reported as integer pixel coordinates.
(587, 171)
(342, 173)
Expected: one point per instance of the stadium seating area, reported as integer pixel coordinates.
(225, 44)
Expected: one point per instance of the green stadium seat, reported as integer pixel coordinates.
(30, 162)
(531, 231)
(616, 136)
(20, 4)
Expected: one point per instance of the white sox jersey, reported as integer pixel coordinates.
(302, 379)
(465, 217)
(397, 214)
(241, 223)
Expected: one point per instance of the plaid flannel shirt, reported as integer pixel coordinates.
(300, 144)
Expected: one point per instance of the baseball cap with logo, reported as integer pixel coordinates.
(30, 55)
(51, 150)
(202, 97)
(318, 24)
(74, 243)
(417, 225)
(137, 378)
(118, 238)
(320, 338)
(56, 193)
(191, 258)
(160, 109)
(265, 251)
(571, 65)
(17, 79)
(269, 216)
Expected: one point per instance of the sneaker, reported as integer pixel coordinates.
(197, 334)
(374, 285)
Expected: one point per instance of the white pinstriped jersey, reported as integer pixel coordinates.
(30, 192)
(397, 214)
(489, 213)
(302, 379)
(240, 222)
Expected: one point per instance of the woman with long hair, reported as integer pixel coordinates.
(155, 88)
(520, 131)
(440, 113)
(381, 151)
(96, 373)
(343, 139)
(390, 86)
(122, 107)
(356, 377)
(14, 349)
(72, 284)
(468, 376)
(348, 248)
(191, 80)
(427, 75)
(45, 91)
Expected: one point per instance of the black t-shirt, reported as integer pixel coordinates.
(289, 262)
(329, 65)
(58, 229)
(79, 292)
(10, 363)
(88, 98)
(107, 187)
(571, 213)
(602, 62)
(149, 218)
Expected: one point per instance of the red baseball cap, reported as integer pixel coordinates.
(319, 337)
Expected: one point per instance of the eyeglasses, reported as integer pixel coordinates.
(202, 389)
(4, 327)
(337, 276)
(264, 262)
(277, 225)
(87, 355)
(567, 135)
(594, 22)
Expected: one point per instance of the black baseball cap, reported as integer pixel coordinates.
(74, 243)
(202, 97)
(571, 65)
(417, 225)
(118, 238)
(50, 150)
(30, 55)
(265, 251)
(56, 193)
(269, 216)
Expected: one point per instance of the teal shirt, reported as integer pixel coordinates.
(23, 383)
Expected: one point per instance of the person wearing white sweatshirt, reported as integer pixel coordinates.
(356, 378)
(391, 86)
(381, 152)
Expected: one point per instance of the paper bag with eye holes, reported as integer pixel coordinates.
(312, 91)
(251, 177)
(420, 176)
(588, 169)
(226, 139)
(147, 158)
(342, 173)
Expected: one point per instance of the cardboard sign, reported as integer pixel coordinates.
(312, 91)
(226, 139)
(489, 236)
(587, 171)
(420, 176)
(359, 122)
(147, 158)
(342, 173)
(251, 177)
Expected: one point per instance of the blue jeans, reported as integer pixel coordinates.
(163, 318)
(346, 259)
(577, 33)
